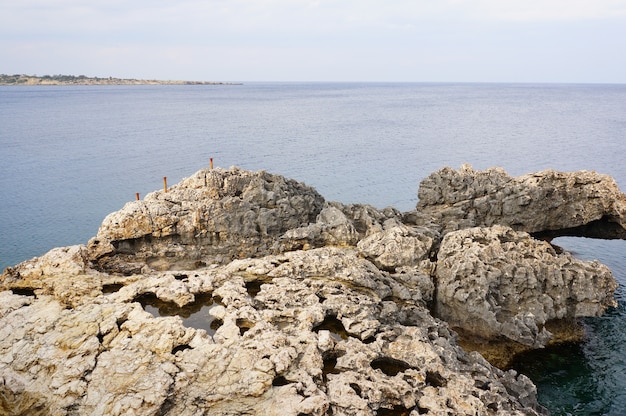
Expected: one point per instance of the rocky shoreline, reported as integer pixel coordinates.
(303, 306)
(22, 79)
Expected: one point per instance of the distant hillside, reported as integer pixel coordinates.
(22, 79)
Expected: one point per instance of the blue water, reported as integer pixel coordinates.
(71, 155)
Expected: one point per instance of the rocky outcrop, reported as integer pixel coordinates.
(247, 293)
(317, 332)
(219, 214)
(546, 203)
(499, 282)
(23, 79)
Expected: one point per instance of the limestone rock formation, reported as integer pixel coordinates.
(399, 245)
(237, 292)
(496, 281)
(223, 214)
(305, 332)
(551, 203)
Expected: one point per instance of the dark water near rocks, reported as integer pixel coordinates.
(71, 155)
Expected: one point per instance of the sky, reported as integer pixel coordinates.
(566, 41)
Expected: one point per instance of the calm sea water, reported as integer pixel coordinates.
(71, 155)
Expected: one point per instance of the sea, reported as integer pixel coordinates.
(70, 155)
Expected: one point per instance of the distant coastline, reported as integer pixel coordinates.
(22, 79)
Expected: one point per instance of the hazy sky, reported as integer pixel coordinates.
(323, 40)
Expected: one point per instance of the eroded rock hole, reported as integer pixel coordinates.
(111, 288)
(394, 411)
(244, 325)
(181, 276)
(253, 288)
(356, 389)
(120, 322)
(182, 347)
(280, 381)
(389, 366)
(606, 228)
(194, 315)
(433, 378)
(482, 385)
(129, 246)
(334, 326)
(422, 410)
(320, 297)
(330, 364)
(369, 340)
(23, 291)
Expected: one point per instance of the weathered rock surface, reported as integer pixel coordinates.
(224, 214)
(325, 332)
(247, 293)
(579, 203)
(496, 281)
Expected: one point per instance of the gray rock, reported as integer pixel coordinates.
(298, 305)
(317, 337)
(213, 216)
(399, 245)
(553, 203)
(332, 227)
(496, 281)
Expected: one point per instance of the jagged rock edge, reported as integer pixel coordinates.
(393, 222)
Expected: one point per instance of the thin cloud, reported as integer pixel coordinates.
(295, 16)
(475, 40)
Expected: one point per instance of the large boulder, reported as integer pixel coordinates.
(214, 216)
(399, 245)
(547, 203)
(494, 282)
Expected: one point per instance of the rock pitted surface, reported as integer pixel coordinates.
(326, 332)
(496, 281)
(222, 214)
(579, 203)
(247, 293)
